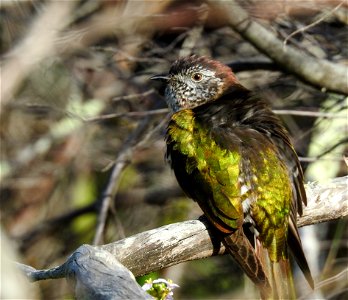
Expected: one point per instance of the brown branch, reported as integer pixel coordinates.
(318, 72)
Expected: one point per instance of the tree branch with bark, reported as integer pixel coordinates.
(169, 245)
(318, 72)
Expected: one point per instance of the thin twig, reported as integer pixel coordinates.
(108, 195)
(161, 111)
(127, 57)
(328, 150)
(128, 114)
(134, 96)
(341, 276)
(303, 29)
(157, 50)
(316, 158)
(313, 114)
(123, 160)
(151, 133)
(137, 139)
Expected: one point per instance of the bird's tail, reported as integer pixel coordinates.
(279, 274)
(244, 254)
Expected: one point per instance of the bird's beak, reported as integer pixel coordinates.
(160, 77)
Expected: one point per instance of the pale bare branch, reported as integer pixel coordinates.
(195, 239)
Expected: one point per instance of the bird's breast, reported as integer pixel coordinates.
(207, 172)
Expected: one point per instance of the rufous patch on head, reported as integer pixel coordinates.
(222, 71)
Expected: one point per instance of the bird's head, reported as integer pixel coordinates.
(193, 81)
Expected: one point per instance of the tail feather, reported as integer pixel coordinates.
(295, 246)
(279, 274)
(282, 280)
(244, 254)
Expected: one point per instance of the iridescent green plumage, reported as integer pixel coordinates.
(217, 167)
(219, 170)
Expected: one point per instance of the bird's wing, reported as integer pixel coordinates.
(281, 178)
(265, 186)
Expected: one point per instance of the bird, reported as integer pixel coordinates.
(233, 156)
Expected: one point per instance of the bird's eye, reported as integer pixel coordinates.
(197, 77)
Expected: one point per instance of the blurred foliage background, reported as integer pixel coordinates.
(81, 122)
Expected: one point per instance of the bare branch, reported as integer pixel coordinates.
(304, 113)
(316, 158)
(136, 139)
(169, 245)
(326, 202)
(128, 114)
(95, 274)
(134, 96)
(340, 277)
(123, 160)
(318, 72)
(195, 239)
